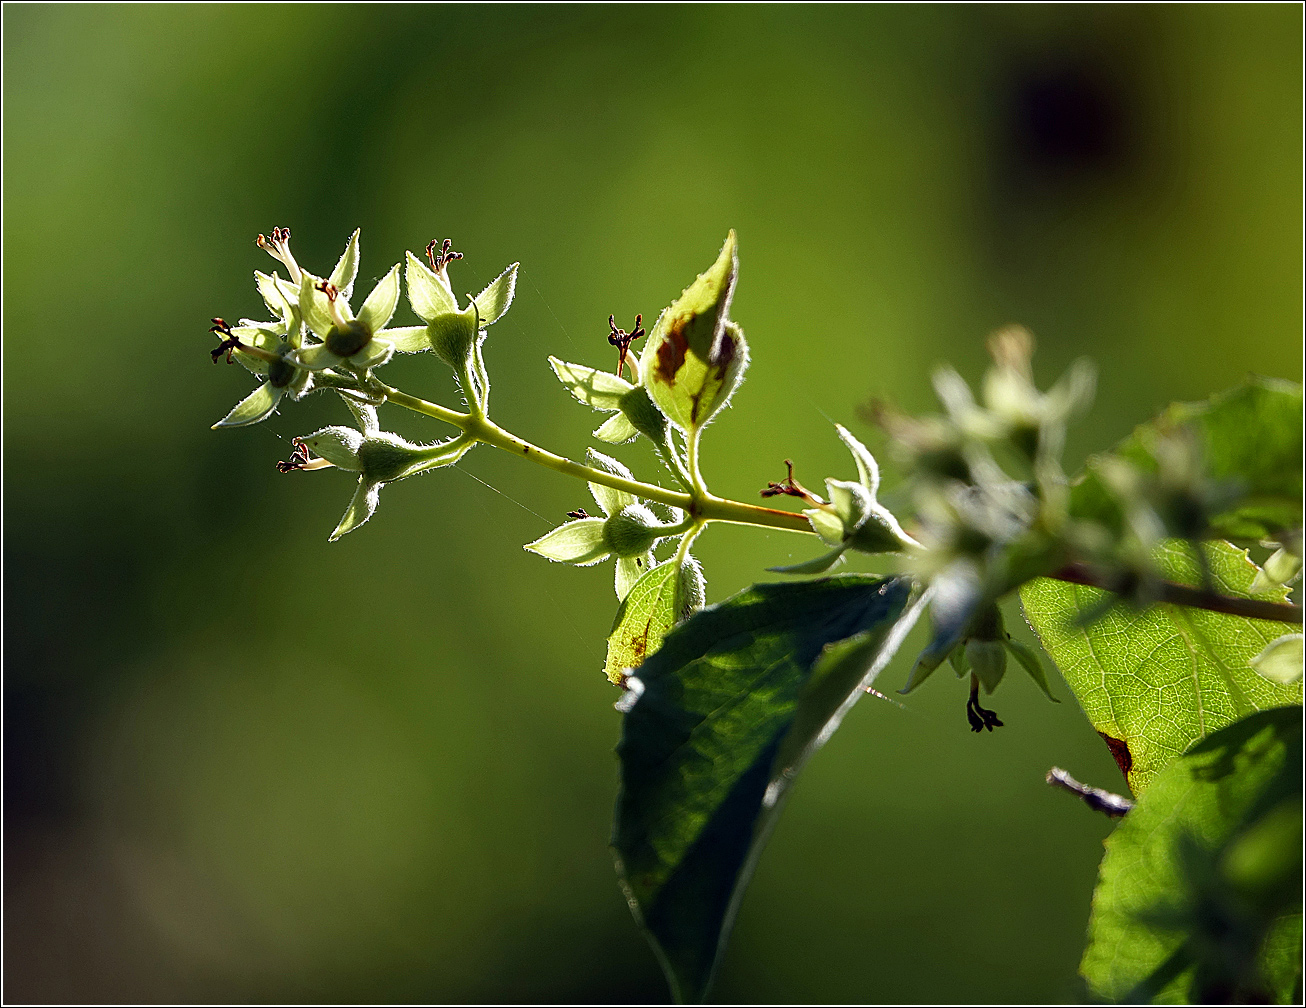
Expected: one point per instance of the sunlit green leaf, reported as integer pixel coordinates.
(726, 712)
(577, 542)
(617, 429)
(1200, 893)
(600, 389)
(1155, 681)
(428, 296)
(694, 357)
(379, 307)
(406, 339)
(361, 507)
(254, 407)
(606, 497)
(492, 302)
(347, 268)
(643, 619)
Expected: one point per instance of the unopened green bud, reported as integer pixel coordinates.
(452, 337)
(385, 457)
(632, 531)
(338, 445)
(692, 589)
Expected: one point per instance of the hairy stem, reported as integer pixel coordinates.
(702, 505)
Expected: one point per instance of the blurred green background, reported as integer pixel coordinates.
(243, 763)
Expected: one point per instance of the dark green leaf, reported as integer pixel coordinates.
(1252, 442)
(728, 710)
(1199, 898)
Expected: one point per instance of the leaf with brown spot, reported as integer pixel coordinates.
(646, 614)
(1154, 681)
(695, 356)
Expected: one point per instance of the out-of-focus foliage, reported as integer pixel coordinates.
(1247, 441)
(1200, 897)
(245, 765)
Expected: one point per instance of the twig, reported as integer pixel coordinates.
(1196, 598)
(1109, 804)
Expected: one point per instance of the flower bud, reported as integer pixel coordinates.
(632, 531)
(338, 445)
(452, 336)
(692, 591)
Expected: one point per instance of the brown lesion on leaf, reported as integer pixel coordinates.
(674, 347)
(1120, 753)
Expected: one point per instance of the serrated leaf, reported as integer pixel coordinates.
(601, 390)
(256, 406)
(1251, 440)
(1153, 682)
(493, 302)
(1200, 891)
(380, 305)
(428, 296)
(347, 267)
(731, 705)
(695, 357)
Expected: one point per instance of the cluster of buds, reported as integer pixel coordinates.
(691, 363)
(316, 342)
(629, 530)
(992, 503)
(852, 518)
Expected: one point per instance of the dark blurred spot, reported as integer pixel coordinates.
(1069, 115)
(1067, 118)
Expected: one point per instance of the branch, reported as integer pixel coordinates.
(1108, 804)
(1185, 595)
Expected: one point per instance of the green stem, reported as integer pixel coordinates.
(702, 505)
(691, 459)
